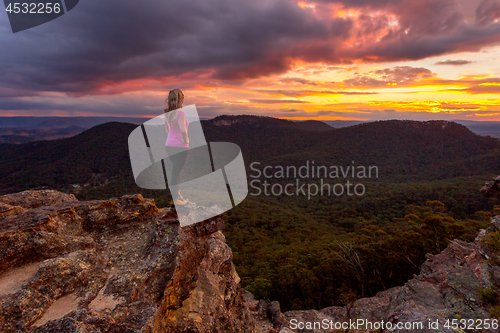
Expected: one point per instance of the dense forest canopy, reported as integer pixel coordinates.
(305, 252)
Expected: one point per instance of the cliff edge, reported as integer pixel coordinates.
(123, 265)
(118, 265)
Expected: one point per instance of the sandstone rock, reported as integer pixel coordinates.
(495, 221)
(34, 199)
(266, 314)
(6, 210)
(491, 189)
(122, 265)
(203, 295)
(118, 265)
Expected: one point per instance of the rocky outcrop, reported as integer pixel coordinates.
(14, 204)
(119, 265)
(448, 287)
(491, 189)
(123, 265)
(35, 199)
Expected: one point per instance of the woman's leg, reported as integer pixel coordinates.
(178, 156)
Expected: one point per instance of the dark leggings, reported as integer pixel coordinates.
(178, 156)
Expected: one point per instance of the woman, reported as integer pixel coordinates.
(177, 143)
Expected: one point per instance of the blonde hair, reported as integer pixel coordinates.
(173, 103)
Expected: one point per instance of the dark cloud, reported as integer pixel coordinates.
(276, 101)
(400, 75)
(126, 107)
(416, 18)
(487, 12)
(298, 80)
(102, 44)
(428, 17)
(302, 93)
(331, 113)
(454, 62)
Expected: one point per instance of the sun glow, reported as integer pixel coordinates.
(490, 84)
(306, 5)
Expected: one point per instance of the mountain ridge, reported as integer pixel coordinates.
(406, 148)
(484, 128)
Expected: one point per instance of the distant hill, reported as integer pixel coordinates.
(27, 129)
(269, 122)
(46, 123)
(98, 152)
(485, 128)
(23, 135)
(400, 149)
(426, 150)
(343, 123)
(491, 128)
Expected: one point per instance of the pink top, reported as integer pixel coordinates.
(174, 138)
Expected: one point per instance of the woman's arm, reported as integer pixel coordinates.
(182, 125)
(166, 125)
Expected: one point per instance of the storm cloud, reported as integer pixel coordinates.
(100, 47)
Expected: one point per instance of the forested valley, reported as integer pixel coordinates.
(305, 253)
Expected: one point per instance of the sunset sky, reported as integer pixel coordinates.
(324, 59)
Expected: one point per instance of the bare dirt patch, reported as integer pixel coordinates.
(59, 309)
(12, 281)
